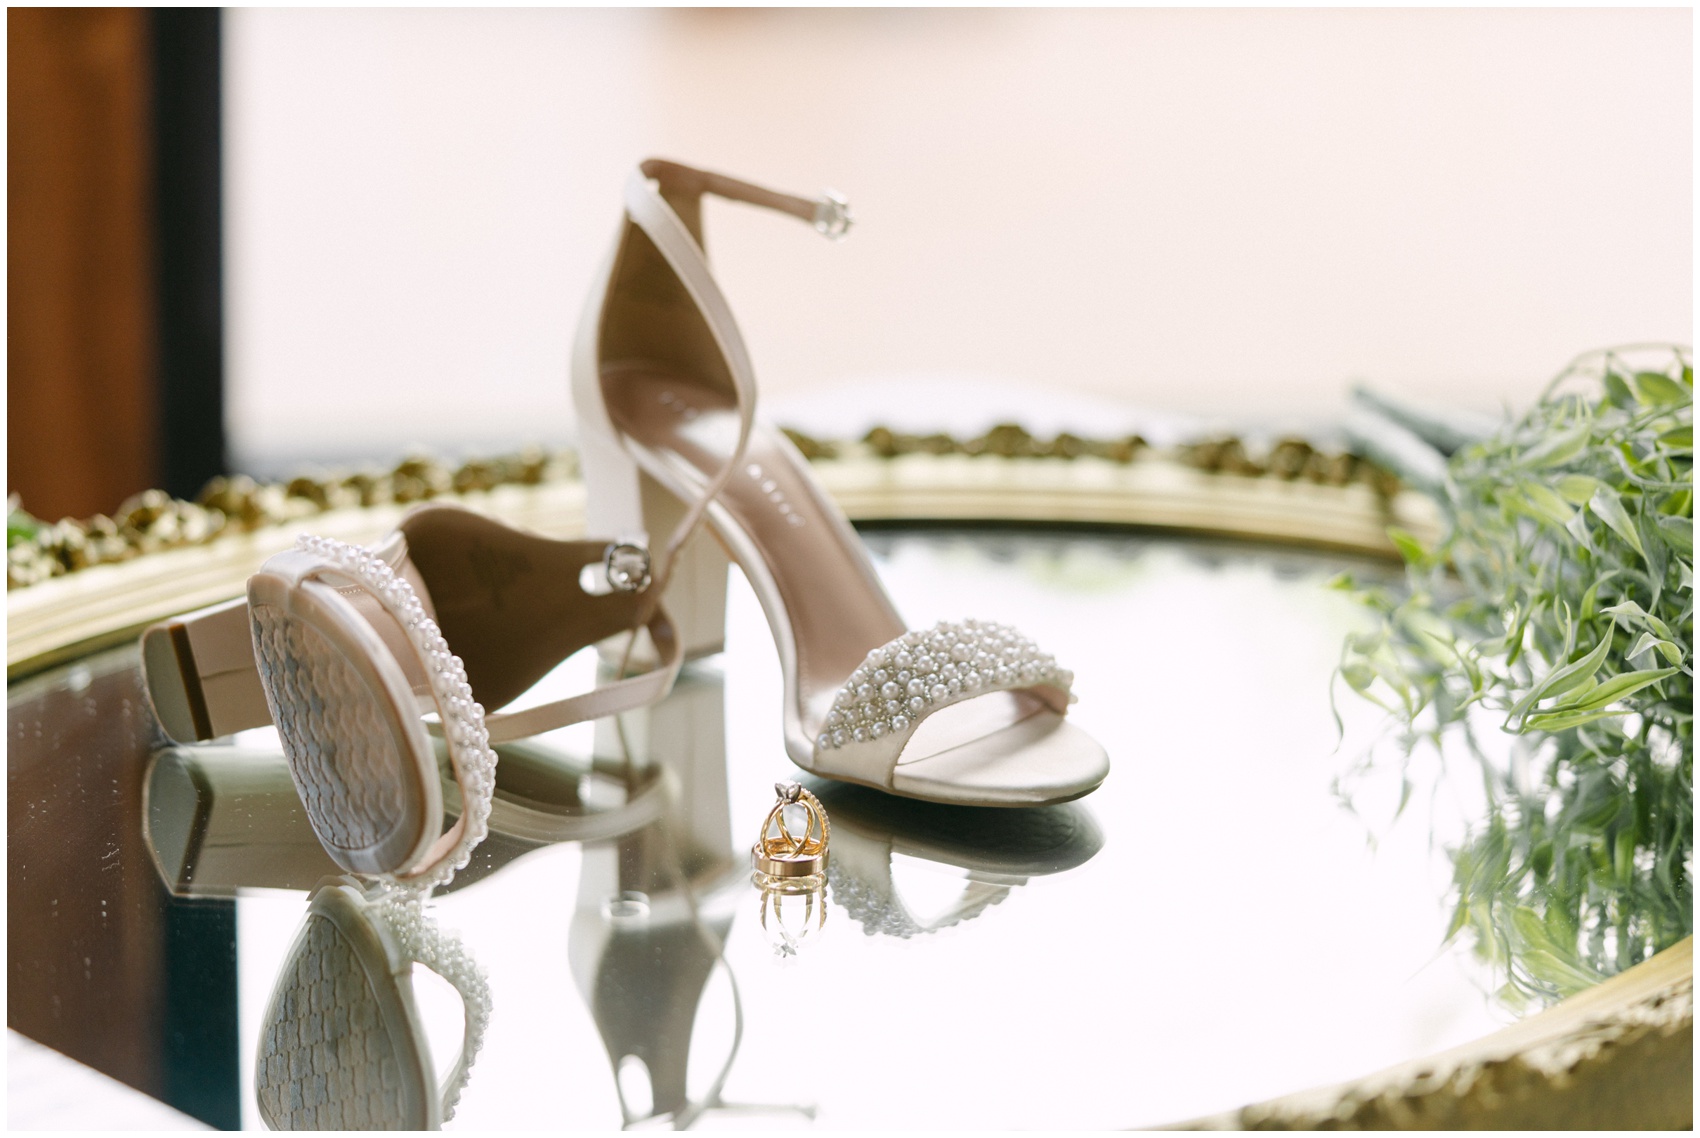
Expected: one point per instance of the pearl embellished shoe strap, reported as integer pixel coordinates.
(877, 710)
(463, 728)
(464, 724)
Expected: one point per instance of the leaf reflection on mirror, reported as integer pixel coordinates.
(1559, 606)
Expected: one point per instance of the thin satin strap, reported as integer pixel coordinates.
(694, 181)
(652, 213)
(627, 694)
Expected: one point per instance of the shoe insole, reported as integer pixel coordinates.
(828, 588)
(509, 603)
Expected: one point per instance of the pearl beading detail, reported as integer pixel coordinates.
(422, 940)
(920, 672)
(463, 718)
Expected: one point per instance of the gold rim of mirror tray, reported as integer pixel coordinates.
(1619, 1055)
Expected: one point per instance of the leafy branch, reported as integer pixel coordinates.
(1559, 605)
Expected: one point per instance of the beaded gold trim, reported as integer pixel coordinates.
(154, 521)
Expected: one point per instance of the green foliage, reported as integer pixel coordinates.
(1560, 604)
(19, 525)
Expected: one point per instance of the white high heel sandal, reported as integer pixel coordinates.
(966, 713)
(347, 649)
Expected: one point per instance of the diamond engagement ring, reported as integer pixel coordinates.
(778, 851)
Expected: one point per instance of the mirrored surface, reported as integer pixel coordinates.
(1209, 928)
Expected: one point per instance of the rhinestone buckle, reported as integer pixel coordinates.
(627, 566)
(832, 215)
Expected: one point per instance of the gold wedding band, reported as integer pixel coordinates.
(787, 855)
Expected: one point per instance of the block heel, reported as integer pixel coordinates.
(201, 674)
(696, 593)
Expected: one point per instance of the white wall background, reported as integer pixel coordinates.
(1224, 214)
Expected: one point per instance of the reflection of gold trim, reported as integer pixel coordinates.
(1619, 1055)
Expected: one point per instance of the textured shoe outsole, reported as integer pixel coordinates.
(357, 752)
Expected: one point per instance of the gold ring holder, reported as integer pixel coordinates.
(778, 853)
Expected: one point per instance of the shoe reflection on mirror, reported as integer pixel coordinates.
(654, 909)
(546, 794)
(342, 1044)
(217, 817)
(904, 868)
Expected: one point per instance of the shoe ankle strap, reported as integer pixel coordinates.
(648, 207)
(829, 213)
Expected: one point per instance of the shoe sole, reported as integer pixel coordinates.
(357, 750)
